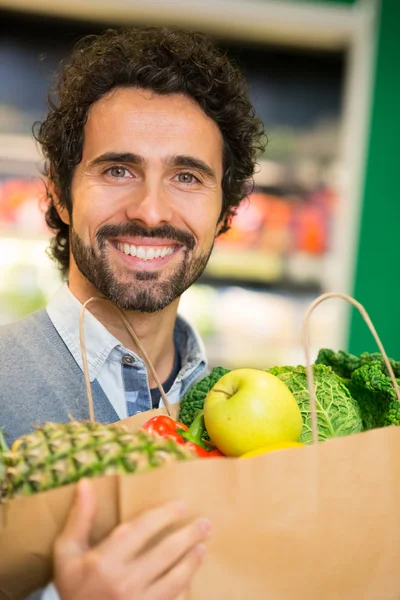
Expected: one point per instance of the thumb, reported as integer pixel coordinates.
(74, 538)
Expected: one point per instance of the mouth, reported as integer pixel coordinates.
(146, 254)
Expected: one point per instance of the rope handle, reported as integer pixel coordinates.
(135, 340)
(306, 346)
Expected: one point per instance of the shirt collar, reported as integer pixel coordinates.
(64, 311)
(190, 346)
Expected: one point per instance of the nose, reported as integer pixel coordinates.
(150, 205)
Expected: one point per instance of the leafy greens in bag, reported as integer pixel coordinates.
(337, 411)
(368, 381)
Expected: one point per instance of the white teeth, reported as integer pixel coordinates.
(141, 253)
(145, 252)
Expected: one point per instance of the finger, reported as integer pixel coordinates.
(74, 538)
(169, 551)
(178, 579)
(128, 539)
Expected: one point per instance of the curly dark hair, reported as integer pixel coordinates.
(164, 61)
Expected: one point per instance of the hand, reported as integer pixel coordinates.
(118, 569)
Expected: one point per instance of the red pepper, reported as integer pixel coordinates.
(166, 428)
(192, 437)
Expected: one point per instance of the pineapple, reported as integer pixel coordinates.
(57, 454)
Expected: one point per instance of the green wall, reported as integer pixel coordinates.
(330, 1)
(377, 283)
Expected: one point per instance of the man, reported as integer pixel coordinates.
(150, 144)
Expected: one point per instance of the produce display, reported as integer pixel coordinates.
(239, 413)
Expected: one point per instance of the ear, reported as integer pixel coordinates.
(220, 225)
(62, 210)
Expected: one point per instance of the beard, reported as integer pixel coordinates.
(140, 291)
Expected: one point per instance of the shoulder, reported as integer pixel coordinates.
(39, 380)
(31, 350)
(26, 333)
(35, 321)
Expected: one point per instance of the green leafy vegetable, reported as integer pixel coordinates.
(344, 363)
(392, 414)
(368, 381)
(373, 391)
(338, 414)
(375, 394)
(193, 401)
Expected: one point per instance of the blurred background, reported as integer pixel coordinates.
(324, 78)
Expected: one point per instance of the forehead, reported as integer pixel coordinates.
(144, 122)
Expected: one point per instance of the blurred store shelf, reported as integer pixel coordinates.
(14, 147)
(27, 277)
(273, 21)
(308, 65)
(19, 155)
(244, 328)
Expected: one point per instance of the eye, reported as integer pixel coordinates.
(118, 172)
(187, 178)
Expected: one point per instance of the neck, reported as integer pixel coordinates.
(154, 330)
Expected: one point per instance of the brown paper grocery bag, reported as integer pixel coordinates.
(30, 525)
(317, 522)
(320, 522)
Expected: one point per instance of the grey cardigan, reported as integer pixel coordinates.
(40, 380)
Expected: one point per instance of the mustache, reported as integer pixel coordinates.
(134, 229)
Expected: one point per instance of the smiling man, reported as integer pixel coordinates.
(150, 145)
(146, 206)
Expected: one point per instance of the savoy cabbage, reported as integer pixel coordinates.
(368, 381)
(338, 414)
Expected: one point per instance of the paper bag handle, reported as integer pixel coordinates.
(306, 346)
(135, 341)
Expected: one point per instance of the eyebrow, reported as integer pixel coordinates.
(181, 160)
(116, 157)
(193, 163)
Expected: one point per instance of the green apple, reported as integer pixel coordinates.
(248, 409)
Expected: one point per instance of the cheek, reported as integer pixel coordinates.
(86, 222)
(200, 212)
(204, 225)
(93, 206)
